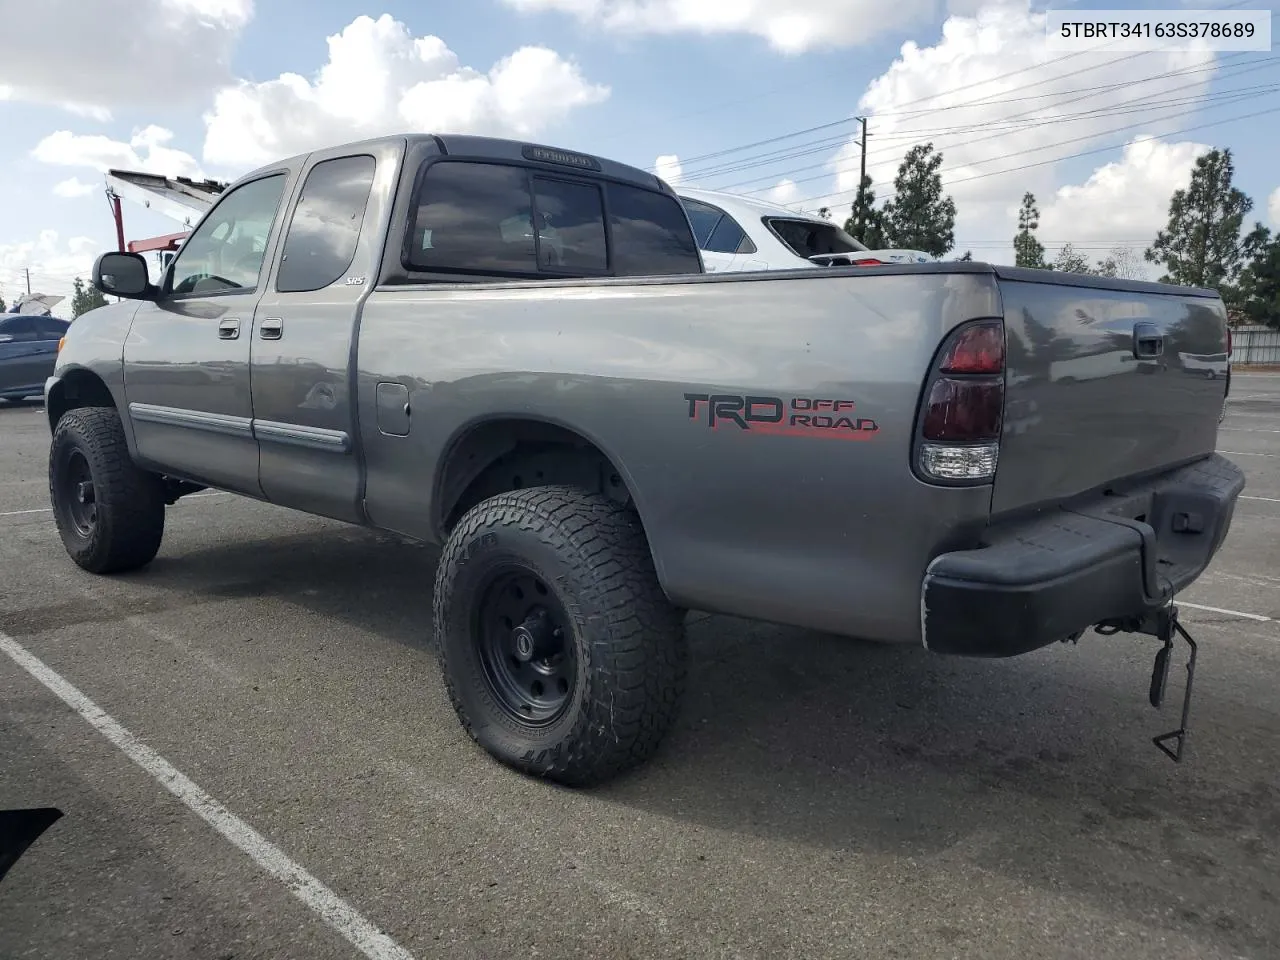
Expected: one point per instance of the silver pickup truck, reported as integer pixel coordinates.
(513, 351)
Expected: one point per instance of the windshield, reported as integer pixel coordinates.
(807, 238)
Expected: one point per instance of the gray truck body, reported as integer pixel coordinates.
(393, 402)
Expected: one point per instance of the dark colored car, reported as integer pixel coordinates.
(28, 351)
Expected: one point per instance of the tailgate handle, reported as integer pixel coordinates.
(1148, 341)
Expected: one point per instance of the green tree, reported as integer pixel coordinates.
(1259, 289)
(85, 298)
(1069, 261)
(1201, 246)
(920, 216)
(1027, 250)
(824, 213)
(866, 223)
(968, 255)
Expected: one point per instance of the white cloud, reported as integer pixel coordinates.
(667, 167)
(380, 79)
(997, 104)
(784, 192)
(1273, 208)
(145, 151)
(790, 26)
(73, 187)
(53, 264)
(91, 56)
(1124, 201)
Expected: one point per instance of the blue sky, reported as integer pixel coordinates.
(179, 88)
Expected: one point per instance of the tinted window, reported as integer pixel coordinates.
(726, 238)
(703, 219)
(51, 328)
(21, 328)
(651, 234)
(570, 225)
(326, 224)
(807, 237)
(473, 216)
(227, 249)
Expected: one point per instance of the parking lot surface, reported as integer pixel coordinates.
(820, 798)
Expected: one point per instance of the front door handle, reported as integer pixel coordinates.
(272, 328)
(229, 329)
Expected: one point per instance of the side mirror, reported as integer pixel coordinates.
(123, 275)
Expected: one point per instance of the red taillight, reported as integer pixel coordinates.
(868, 263)
(963, 410)
(979, 349)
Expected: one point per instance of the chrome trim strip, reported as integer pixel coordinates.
(313, 438)
(195, 419)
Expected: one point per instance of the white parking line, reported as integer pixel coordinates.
(326, 904)
(1244, 453)
(1232, 613)
(1247, 430)
(1267, 499)
(190, 496)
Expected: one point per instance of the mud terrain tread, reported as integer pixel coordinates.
(636, 664)
(131, 507)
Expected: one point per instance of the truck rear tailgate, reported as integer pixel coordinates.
(1106, 380)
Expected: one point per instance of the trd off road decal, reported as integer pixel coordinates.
(794, 417)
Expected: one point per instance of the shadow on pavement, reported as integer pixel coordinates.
(1040, 768)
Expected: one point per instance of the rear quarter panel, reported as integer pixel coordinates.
(803, 529)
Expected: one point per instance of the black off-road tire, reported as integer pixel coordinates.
(627, 639)
(127, 522)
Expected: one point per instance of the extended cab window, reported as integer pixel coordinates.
(807, 238)
(325, 227)
(226, 251)
(498, 219)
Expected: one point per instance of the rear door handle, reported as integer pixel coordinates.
(229, 329)
(272, 328)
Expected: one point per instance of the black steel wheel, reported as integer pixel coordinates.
(110, 514)
(561, 654)
(526, 646)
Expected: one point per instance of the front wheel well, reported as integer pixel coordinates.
(77, 388)
(504, 455)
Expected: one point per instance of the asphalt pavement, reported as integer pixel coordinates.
(268, 676)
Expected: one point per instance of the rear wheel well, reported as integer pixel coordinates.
(78, 388)
(504, 455)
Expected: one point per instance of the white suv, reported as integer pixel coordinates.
(743, 233)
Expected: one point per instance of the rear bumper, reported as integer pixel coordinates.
(1041, 580)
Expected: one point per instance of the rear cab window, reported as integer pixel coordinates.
(494, 219)
(807, 238)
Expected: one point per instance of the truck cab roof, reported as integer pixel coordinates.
(493, 148)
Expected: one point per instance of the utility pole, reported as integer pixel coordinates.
(862, 179)
(27, 271)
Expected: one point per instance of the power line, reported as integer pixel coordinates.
(981, 101)
(814, 147)
(1100, 48)
(1071, 156)
(1146, 121)
(1144, 101)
